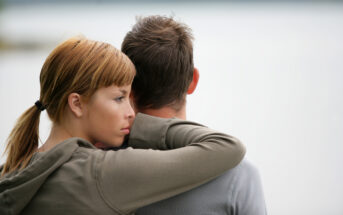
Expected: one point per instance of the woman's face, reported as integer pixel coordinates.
(109, 115)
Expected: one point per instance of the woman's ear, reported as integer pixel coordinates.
(194, 82)
(75, 104)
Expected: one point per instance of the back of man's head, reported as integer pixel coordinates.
(162, 52)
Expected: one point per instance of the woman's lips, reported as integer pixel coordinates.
(125, 130)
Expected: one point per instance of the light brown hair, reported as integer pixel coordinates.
(77, 65)
(162, 52)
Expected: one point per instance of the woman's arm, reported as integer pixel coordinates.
(132, 178)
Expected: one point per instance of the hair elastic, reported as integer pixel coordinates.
(39, 105)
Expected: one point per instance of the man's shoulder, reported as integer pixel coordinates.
(235, 188)
(244, 169)
(246, 192)
(239, 179)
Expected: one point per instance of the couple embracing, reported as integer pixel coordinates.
(120, 142)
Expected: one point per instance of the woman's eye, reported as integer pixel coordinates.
(119, 99)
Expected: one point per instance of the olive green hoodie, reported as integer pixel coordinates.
(76, 178)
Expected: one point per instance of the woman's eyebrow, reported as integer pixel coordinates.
(123, 92)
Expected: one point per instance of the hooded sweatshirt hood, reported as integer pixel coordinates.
(19, 187)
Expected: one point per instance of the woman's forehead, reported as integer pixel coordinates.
(114, 90)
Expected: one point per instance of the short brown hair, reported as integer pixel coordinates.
(162, 52)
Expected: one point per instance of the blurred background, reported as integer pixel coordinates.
(271, 74)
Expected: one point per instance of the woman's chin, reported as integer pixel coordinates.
(101, 145)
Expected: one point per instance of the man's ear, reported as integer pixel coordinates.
(75, 104)
(194, 82)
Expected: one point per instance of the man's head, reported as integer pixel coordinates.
(162, 52)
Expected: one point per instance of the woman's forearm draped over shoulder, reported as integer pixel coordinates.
(159, 166)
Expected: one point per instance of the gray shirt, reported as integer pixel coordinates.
(236, 192)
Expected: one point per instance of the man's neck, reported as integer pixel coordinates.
(166, 112)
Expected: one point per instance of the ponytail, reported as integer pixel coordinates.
(22, 141)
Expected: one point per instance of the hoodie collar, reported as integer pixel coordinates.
(17, 190)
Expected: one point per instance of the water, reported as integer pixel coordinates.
(270, 74)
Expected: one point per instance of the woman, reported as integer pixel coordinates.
(85, 87)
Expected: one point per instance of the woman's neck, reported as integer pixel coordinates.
(57, 135)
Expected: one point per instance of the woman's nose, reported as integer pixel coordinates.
(131, 112)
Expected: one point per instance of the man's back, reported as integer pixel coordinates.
(236, 192)
(162, 51)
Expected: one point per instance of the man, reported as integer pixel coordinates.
(162, 52)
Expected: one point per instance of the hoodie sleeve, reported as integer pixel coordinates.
(166, 157)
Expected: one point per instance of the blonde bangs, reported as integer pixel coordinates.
(115, 69)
